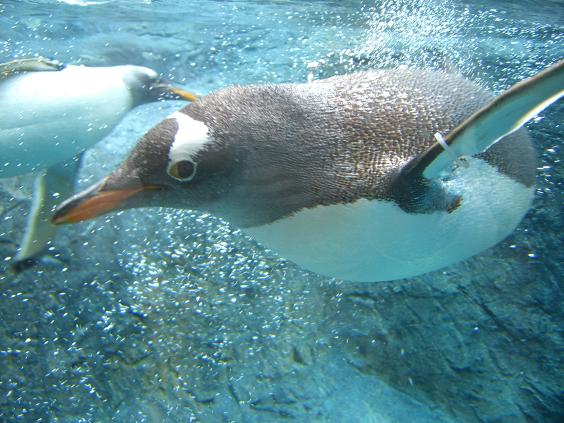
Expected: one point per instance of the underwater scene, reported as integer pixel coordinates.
(283, 210)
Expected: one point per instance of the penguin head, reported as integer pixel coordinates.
(147, 86)
(177, 164)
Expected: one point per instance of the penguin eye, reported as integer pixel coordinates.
(183, 170)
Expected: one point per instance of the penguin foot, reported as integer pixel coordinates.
(19, 266)
(455, 204)
(34, 64)
(49, 260)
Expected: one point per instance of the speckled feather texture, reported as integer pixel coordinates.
(367, 125)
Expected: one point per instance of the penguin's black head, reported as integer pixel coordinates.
(245, 154)
(147, 86)
(179, 164)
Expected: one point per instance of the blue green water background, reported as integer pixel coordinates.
(161, 315)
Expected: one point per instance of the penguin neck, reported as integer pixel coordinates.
(138, 86)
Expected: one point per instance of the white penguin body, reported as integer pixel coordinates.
(50, 113)
(375, 240)
(50, 117)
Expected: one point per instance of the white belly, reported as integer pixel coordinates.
(49, 117)
(375, 240)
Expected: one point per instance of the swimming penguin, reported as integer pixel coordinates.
(364, 177)
(50, 113)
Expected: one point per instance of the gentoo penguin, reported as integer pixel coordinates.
(50, 113)
(364, 177)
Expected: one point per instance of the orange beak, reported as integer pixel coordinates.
(184, 95)
(88, 205)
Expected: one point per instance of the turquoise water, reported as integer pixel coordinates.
(159, 315)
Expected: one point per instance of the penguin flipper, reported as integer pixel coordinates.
(415, 187)
(55, 183)
(502, 116)
(36, 64)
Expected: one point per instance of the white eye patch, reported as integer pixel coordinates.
(191, 137)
